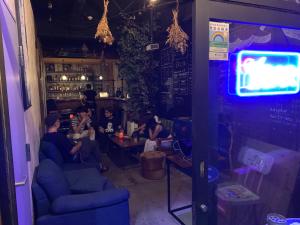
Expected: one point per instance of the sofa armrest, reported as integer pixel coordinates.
(73, 203)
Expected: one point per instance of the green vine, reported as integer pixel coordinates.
(137, 66)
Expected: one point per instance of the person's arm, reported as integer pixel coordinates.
(154, 134)
(170, 137)
(141, 129)
(89, 122)
(101, 128)
(76, 148)
(116, 125)
(76, 126)
(150, 134)
(67, 145)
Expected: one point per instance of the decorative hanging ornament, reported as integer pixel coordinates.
(103, 32)
(177, 38)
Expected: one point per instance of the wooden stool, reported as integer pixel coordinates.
(153, 165)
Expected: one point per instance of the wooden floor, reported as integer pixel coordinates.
(148, 200)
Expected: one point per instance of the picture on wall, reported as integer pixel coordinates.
(24, 60)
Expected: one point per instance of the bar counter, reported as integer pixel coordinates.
(101, 103)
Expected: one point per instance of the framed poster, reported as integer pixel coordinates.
(218, 41)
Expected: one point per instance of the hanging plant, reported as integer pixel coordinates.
(103, 32)
(177, 38)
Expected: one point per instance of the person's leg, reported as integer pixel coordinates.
(95, 150)
(85, 150)
(90, 152)
(104, 143)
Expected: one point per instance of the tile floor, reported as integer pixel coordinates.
(148, 201)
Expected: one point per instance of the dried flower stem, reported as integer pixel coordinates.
(103, 32)
(177, 38)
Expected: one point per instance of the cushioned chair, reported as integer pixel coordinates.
(80, 197)
(49, 151)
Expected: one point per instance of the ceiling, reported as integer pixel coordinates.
(74, 22)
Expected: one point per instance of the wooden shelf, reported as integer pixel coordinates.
(60, 91)
(74, 68)
(99, 81)
(79, 61)
(69, 82)
(68, 72)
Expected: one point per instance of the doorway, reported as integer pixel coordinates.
(7, 192)
(15, 194)
(254, 133)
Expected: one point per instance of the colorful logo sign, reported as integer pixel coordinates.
(267, 73)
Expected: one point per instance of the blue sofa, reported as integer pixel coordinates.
(80, 196)
(50, 151)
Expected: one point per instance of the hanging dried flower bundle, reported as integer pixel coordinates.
(177, 38)
(103, 32)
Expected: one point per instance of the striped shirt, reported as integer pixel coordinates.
(76, 121)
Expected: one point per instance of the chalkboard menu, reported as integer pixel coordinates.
(176, 80)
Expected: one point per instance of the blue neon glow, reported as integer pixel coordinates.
(267, 73)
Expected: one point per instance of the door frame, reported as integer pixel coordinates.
(8, 204)
(203, 117)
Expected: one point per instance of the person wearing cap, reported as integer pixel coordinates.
(84, 150)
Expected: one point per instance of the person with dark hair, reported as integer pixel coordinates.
(90, 96)
(82, 123)
(67, 148)
(109, 124)
(156, 130)
(82, 151)
(158, 136)
(141, 131)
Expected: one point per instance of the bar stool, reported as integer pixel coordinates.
(153, 165)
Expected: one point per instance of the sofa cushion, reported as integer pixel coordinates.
(87, 181)
(74, 203)
(52, 179)
(51, 152)
(40, 199)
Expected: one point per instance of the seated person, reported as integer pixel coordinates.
(141, 131)
(109, 125)
(82, 124)
(72, 152)
(158, 136)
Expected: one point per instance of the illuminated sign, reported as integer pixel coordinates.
(267, 73)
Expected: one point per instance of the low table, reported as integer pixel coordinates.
(122, 149)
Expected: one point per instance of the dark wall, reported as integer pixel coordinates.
(272, 119)
(176, 79)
